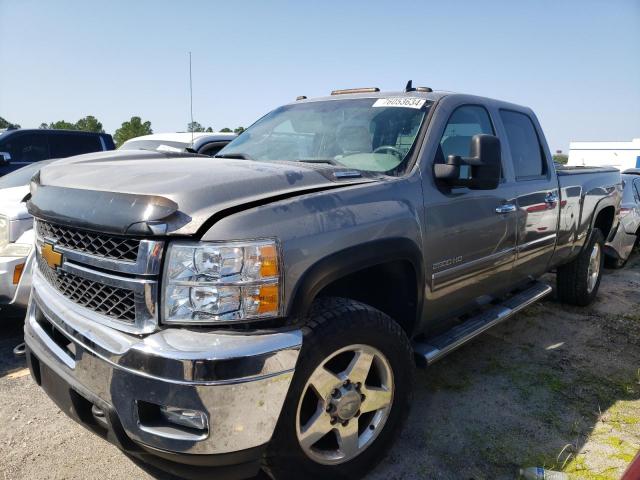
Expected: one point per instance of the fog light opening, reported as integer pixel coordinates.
(184, 417)
(173, 422)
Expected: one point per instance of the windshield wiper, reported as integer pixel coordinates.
(321, 160)
(241, 156)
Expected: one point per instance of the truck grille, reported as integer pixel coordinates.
(117, 303)
(112, 247)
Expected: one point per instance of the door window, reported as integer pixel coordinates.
(464, 123)
(524, 145)
(26, 147)
(69, 144)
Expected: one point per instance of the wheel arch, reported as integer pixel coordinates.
(604, 218)
(372, 273)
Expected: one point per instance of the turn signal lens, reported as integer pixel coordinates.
(17, 273)
(262, 300)
(269, 267)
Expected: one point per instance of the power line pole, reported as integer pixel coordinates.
(191, 97)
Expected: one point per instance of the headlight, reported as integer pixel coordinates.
(4, 231)
(209, 283)
(15, 250)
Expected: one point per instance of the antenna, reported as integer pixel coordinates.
(191, 97)
(409, 87)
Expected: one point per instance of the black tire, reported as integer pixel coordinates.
(336, 323)
(573, 278)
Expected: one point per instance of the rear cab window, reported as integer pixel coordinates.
(69, 144)
(524, 145)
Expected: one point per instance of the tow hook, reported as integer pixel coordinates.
(19, 350)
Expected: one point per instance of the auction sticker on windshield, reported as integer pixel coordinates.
(406, 102)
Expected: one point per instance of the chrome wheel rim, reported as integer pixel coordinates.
(345, 404)
(594, 268)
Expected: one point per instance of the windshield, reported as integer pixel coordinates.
(159, 145)
(365, 134)
(22, 176)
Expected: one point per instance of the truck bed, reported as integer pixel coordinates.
(579, 170)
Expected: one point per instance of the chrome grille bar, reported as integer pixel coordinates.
(118, 303)
(148, 253)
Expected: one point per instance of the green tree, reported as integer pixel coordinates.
(209, 130)
(238, 130)
(560, 157)
(226, 130)
(194, 127)
(62, 125)
(89, 124)
(43, 126)
(6, 124)
(131, 129)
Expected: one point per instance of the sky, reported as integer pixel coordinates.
(576, 63)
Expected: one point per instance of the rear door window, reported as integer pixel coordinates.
(26, 147)
(69, 144)
(524, 145)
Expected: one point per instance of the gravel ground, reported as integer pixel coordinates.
(555, 386)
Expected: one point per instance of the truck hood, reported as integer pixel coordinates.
(126, 191)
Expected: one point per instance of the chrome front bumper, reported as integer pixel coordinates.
(239, 381)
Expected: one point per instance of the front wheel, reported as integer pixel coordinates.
(579, 280)
(349, 395)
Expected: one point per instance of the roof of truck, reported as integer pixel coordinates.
(433, 96)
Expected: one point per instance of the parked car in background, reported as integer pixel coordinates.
(626, 237)
(196, 142)
(20, 147)
(16, 236)
(270, 310)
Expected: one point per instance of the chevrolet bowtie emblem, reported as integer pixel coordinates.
(53, 259)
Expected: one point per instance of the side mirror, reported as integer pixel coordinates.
(485, 165)
(5, 159)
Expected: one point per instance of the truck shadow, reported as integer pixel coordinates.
(556, 386)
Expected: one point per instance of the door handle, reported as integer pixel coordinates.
(506, 208)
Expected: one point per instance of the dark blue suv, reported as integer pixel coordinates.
(21, 147)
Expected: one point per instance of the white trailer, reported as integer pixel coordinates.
(621, 155)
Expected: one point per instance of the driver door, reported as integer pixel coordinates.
(470, 235)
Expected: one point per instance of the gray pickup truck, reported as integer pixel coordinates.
(266, 308)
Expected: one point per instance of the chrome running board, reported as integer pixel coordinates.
(433, 349)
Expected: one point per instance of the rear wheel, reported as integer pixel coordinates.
(579, 280)
(349, 395)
